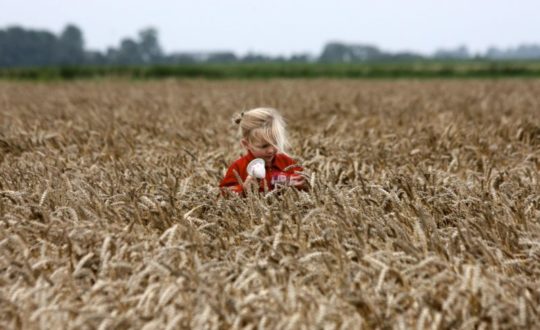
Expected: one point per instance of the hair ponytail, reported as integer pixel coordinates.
(237, 118)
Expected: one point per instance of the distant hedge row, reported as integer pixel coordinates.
(275, 70)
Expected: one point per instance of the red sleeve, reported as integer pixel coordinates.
(292, 168)
(230, 181)
(290, 165)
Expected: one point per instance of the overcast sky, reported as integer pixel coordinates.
(287, 26)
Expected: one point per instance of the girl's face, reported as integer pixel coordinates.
(261, 149)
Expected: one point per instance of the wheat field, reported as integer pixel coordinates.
(423, 212)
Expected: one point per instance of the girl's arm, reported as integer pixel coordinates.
(296, 180)
(232, 181)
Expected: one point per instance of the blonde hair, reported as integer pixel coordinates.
(264, 124)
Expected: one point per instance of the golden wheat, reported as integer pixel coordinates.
(423, 210)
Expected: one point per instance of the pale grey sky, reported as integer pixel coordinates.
(288, 26)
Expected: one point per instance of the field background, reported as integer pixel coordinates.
(424, 210)
(372, 69)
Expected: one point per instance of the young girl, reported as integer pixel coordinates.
(264, 137)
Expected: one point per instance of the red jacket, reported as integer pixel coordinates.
(276, 174)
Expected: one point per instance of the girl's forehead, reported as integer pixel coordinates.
(260, 141)
(260, 138)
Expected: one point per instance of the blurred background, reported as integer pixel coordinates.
(99, 33)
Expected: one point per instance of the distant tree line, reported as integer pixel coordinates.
(20, 47)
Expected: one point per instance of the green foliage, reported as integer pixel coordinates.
(71, 46)
(26, 48)
(464, 69)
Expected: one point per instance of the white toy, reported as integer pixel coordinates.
(256, 168)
